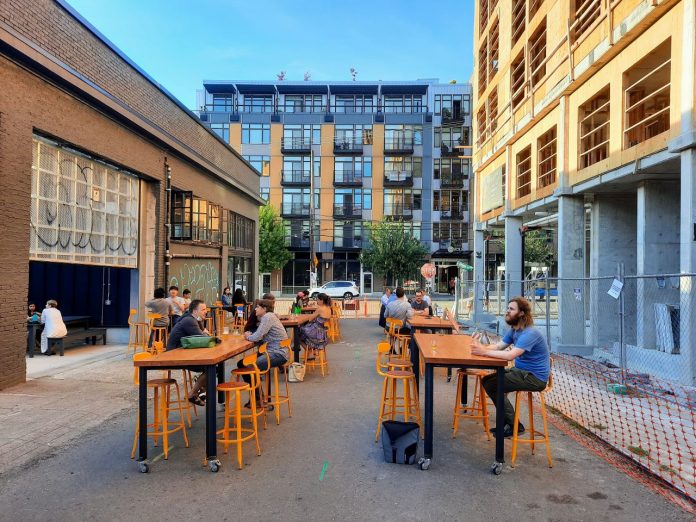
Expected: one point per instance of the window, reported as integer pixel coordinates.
(240, 232)
(449, 139)
(482, 125)
(537, 54)
(256, 133)
(583, 14)
(352, 170)
(352, 137)
(296, 169)
(483, 14)
(406, 103)
(518, 84)
(594, 129)
(348, 234)
(452, 203)
(518, 20)
(206, 224)
(301, 136)
(451, 232)
(349, 202)
(256, 103)
(400, 168)
(222, 130)
(223, 102)
(647, 96)
(483, 66)
(451, 170)
(296, 233)
(304, 103)
(296, 201)
(265, 193)
(493, 110)
(181, 215)
(524, 172)
(546, 158)
(261, 163)
(493, 48)
(534, 6)
(354, 104)
(402, 137)
(452, 106)
(401, 202)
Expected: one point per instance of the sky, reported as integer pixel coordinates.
(182, 43)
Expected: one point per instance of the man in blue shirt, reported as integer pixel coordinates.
(527, 347)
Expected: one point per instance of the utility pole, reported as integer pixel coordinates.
(312, 267)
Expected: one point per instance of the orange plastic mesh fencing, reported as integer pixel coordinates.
(650, 420)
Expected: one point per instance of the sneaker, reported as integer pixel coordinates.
(507, 430)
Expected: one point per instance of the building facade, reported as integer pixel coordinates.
(367, 150)
(97, 165)
(584, 125)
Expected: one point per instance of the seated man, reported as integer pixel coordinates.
(531, 354)
(191, 323)
(420, 306)
(400, 309)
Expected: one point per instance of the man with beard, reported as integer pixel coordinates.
(525, 344)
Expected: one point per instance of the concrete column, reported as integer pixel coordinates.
(687, 250)
(613, 241)
(572, 290)
(513, 257)
(657, 241)
(479, 276)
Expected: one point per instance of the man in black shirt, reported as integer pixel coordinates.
(190, 324)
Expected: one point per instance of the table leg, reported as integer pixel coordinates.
(142, 415)
(428, 444)
(210, 415)
(465, 392)
(499, 415)
(296, 342)
(31, 339)
(415, 360)
(220, 379)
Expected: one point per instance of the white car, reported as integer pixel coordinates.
(345, 289)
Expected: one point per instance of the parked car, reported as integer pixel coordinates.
(345, 289)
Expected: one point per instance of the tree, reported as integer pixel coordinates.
(272, 251)
(538, 247)
(393, 252)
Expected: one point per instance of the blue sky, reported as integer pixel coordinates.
(181, 43)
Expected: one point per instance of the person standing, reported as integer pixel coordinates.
(384, 300)
(178, 305)
(53, 323)
(451, 286)
(527, 347)
(187, 297)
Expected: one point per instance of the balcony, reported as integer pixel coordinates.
(295, 177)
(452, 115)
(348, 242)
(348, 146)
(348, 178)
(399, 211)
(297, 241)
(292, 145)
(358, 107)
(295, 210)
(453, 214)
(399, 146)
(452, 148)
(347, 211)
(398, 178)
(453, 181)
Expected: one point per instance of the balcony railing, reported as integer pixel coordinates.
(348, 242)
(457, 214)
(297, 242)
(292, 145)
(401, 145)
(295, 177)
(347, 211)
(301, 107)
(406, 108)
(295, 209)
(455, 181)
(398, 178)
(217, 108)
(452, 147)
(355, 108)
(450, 115)
(348, 177)
(399, 210)
(348, 146)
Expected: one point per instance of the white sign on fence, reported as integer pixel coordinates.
(615, 289)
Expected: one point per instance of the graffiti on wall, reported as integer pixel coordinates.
(202, 277)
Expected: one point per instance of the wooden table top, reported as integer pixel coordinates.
(231, 345)
(424, 321)
(452, 349)
(293, 320)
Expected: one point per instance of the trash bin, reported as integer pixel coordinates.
(400, 441)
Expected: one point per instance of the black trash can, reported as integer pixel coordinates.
(400, 441)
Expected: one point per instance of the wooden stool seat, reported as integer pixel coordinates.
(237, 434)
(535, 437)
(478, 409)
(160, 382)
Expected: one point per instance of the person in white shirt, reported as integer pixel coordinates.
(187, 298)
(178, 304)
(53, 323)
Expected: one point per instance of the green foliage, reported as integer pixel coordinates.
(393, 252)
(538, 248)
(272, 251)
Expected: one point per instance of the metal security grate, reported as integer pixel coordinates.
(82, 210)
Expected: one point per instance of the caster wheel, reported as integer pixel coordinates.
(143, 467)
(497, 468)
(424, 464)
(214, 466)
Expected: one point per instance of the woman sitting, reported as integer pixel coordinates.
(238, 298)
(226, 297)
(302, 299)
(313, 333)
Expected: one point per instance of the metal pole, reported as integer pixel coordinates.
(548, 310)
(622, 345)
(312, 267)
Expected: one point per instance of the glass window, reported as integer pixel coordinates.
(300, 136)
(181, 215)
(258, 103)
(223, 102)
(406, 103)
(261, 163)
(222, 130)
(265, 193)
(256, 133)
(240, 232)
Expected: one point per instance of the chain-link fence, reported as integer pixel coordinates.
(624, 358)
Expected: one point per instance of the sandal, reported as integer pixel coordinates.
(197, 401)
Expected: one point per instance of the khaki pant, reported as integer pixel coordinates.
(514, 380)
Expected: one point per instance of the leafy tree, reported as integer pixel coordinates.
(393, 252)
(538, 248)
(272, 251)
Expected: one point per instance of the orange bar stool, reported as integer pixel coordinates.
(391, 403)
(161, 425)
(402, 360)
(478, 409)
(535, 437)
(251, 369)
(237, 434)
(160, 333)
(138, 333)
(276, 399)
(319, 360)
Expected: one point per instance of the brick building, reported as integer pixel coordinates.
(89, 146)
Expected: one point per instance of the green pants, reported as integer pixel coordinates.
(514, 380)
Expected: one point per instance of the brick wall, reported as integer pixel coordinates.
(52, 28)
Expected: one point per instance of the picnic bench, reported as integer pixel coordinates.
(79, 333)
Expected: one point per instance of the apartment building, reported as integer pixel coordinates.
(584, 124)
(366, 150)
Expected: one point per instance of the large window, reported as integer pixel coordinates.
(206, 225)
(297, 233)
(351, 202)
(223, 102)
(493, 50)
(354, 104)
(348, 234)
(260, 163)
(546, 158)
(256, 133)
(402, 137)
(351, 170)
(304, 103)
(296, 169)
(451, 170)
(451, 203)
(351, 137)
(518, 20)
(403, 103)
(524, 172)
(583, 13)
(265, 193)
(240, 232)
(296, 201)
(401, 202)
(402, 168)
(518, 84)
(647, 88)
(452, 106)
(449, 139)
(537, 54)
(258, 103)
(181, 214)
(594, 129)
(451, 232)
(301, 136)
(483, 66)
(222, 130)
